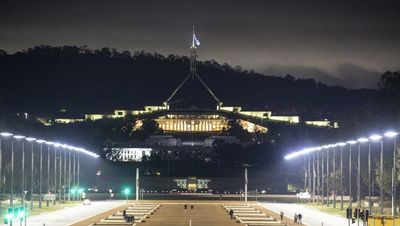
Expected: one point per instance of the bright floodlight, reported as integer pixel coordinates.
(49, 142)
(391, 134)
(30, 139)
(341, 144)
(362, 139)
(56, 144)
(375, 137)
(40, 141)
(5, 134)
(351, 142)
(18, 137)
(64, 145)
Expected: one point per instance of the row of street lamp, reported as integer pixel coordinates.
(319, 151)
(74, 151)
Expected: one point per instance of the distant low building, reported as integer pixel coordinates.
(131, 154)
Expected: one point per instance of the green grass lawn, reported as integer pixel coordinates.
(36, 210)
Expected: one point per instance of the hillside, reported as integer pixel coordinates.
(44, 79)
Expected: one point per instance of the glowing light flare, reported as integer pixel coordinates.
(5, 134)
(362, 139)
(391, 134)
(351, 142)
(18, 137)
(375, 137)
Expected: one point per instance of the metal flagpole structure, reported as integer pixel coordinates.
(245, 184)
(137, 184)
(193, 72)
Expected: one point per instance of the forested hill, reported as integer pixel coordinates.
(44, 79)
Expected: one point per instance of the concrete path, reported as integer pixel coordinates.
(201, 215)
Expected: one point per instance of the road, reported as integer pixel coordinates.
(69, 215)
(311, 217)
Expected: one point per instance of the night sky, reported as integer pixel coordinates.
(342, 42)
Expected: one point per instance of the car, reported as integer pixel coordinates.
(86, 202)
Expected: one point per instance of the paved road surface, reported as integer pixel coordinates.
(70, 215)
(311, 217)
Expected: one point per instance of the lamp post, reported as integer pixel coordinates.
(65, 172)
(334, 176)
(5, 135)
(341, 144)
(318, 180)
(20, 137)
(327, 176)
(378, 138)
(40, 171)
(69, 173)
(56, 191)
(322, 177)
(393, 135)
(350, 142)
(73, 174)
(313, 178)
(31, 139)
(59, 177)
(78, 175)
(48, 170)
(360, 142)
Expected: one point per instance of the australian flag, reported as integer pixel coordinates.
(195, 42)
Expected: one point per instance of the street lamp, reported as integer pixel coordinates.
(56, 190)
(48, 170)
(5, 135)
(40, 171)
(31, 139)
(20, 137)
(360, 140)
(341, 145)
(393, 135)
(350, 142)
(378, 138)
(65, 171)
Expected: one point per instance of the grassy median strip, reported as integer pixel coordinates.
(36, 210)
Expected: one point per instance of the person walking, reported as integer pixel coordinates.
(231, 213)
(300, 217)
(295, 218)
(281, 214)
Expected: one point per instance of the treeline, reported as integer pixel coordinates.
(45, 79)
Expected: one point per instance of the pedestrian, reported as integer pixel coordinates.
(300, 217)
(281, 215)
(295, 218)
(124, 213)
(191, 207)
(231, 213)
(185, 207)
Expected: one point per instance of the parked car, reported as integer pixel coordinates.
(86, 202)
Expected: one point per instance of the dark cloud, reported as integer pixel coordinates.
(316, 39)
